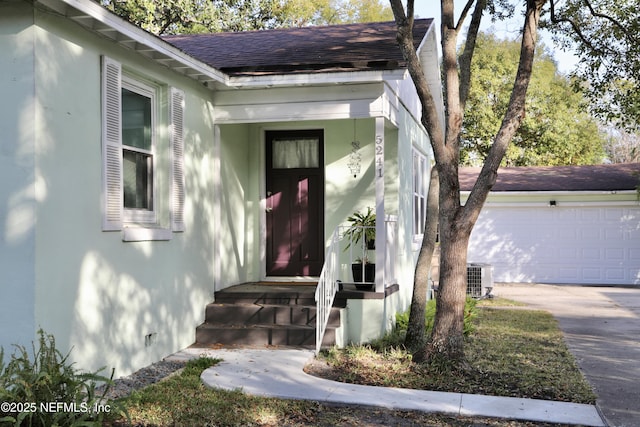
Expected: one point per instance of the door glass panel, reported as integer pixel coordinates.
(296, 153)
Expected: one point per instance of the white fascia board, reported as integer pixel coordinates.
(402, 94)
(431, 32)
(572, 204)
(314, 79)
(542, 198)
(289, 111)
(96, 18)
(552, 193)
(391, 104)
(429, 56)
(299, 103)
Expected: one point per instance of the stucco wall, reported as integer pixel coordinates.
(125, 305)
(120, 305)
(238, 205)
(411, 135)
(18, 179)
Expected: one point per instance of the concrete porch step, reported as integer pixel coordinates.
(260, 335)
(277, 296)
(266, 314)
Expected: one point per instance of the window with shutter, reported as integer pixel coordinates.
(130, 123)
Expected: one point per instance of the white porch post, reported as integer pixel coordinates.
(381, 235)
(217, 179)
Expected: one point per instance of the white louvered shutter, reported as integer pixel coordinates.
(111, 145)
(177, 165)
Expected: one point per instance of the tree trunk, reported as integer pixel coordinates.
(447, 336)
(456, 221)
(415, 330)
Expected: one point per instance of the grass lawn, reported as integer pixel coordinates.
(513, 352)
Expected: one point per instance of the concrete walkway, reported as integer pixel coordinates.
(279, 373)
(601, 326)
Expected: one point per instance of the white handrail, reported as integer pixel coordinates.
(329, 281)
(327, 288)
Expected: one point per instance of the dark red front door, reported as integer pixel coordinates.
(295, 202)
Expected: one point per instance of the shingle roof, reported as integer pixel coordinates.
(611, 177)
(352, 47)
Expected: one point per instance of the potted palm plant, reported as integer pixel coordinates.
(362, 235)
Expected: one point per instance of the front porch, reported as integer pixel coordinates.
(279, 314)
(281, 221)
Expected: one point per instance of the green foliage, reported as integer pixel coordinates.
(48, 377)
(604, 35)
(396, 337)
(350, 11)
(190, 16)
(363, 226)
(556, 130)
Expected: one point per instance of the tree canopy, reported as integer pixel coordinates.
(605, 34)
(206, 16)
(557, 128)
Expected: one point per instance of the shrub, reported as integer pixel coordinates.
(48, 391)
(470, 313)
(396, 337)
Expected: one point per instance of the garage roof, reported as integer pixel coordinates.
(610, 177)
(353, 47)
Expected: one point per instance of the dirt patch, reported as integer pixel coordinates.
(321, 369)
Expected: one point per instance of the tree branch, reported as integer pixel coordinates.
(512, 119)
(463, 15)
(469, 47)
(451, 84)
(612, 20)
(576, 29)
(430, 118)
(575, 26)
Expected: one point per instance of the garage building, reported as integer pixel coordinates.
(560, 224)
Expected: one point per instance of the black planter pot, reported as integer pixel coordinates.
(369, 276)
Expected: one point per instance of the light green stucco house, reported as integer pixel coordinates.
(134, 182)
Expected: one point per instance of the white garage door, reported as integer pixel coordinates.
(590, 245)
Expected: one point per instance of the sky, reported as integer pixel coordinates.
(431, 9)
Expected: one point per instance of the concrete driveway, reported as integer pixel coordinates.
(602, 329)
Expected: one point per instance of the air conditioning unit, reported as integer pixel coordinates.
(479, 280)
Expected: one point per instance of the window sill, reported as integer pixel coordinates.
(140, 234)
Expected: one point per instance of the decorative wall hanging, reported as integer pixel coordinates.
(355, 157)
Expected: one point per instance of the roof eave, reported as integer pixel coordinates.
(98, 20)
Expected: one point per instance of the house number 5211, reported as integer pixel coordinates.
(379, 156)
